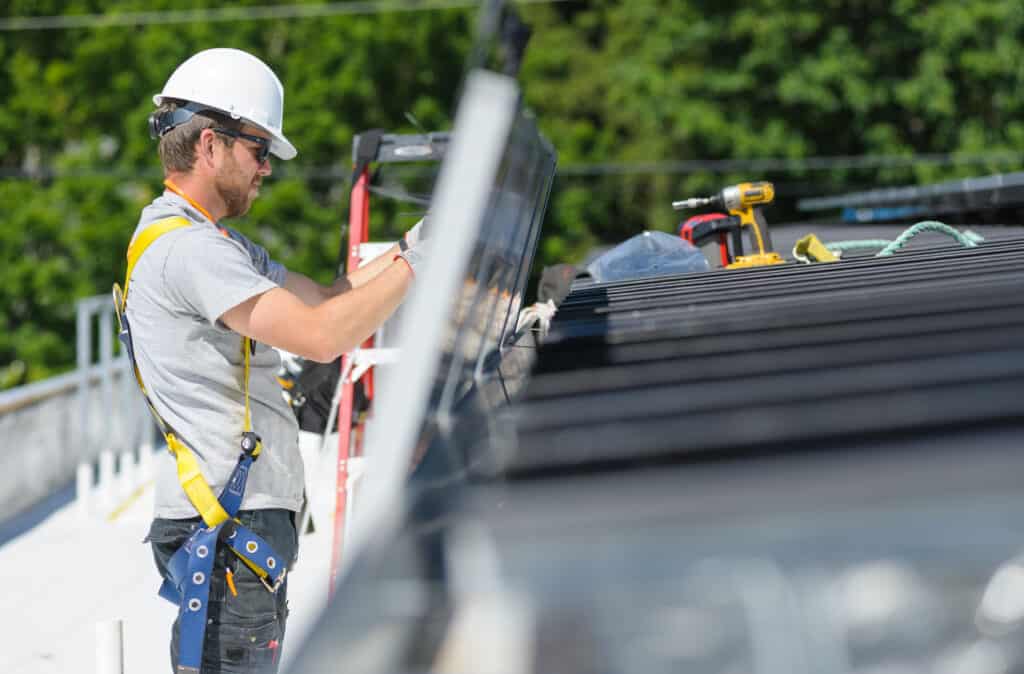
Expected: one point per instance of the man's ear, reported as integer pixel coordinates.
(206, 147)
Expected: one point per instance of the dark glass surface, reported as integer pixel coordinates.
(484, 362)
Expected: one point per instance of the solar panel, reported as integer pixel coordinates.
(456, 331)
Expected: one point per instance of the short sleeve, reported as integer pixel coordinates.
(211, 273)
(261, 259)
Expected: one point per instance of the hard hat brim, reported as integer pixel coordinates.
(280, 146)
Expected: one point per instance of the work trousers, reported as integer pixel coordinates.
(244, 633)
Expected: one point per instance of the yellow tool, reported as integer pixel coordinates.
(743, 201)
(811, 249)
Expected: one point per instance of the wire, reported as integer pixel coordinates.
(780, 165)
(235, 13)
(784, 164)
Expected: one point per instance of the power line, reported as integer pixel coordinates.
(667, 167)
(235, 13)
(777, 164)
(757, 164)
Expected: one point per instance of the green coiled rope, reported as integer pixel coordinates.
(965, 239)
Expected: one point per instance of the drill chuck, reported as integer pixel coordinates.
(732, 198)
(693, 202)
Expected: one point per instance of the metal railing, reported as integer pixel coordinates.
(53, 426)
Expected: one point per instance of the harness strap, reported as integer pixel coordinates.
(142, 241)
(251, 442)
(195, 486)
(250, 548)
(195, 594)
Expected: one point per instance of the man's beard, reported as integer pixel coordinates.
(236, 200)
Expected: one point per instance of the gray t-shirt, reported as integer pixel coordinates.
(192, 366)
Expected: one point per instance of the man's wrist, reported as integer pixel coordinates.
(407, 265)
(412, 257)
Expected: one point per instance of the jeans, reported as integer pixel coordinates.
(244, 633)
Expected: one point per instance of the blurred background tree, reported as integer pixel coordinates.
(645, 100)
(637, 95)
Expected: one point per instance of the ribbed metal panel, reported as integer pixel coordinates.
(922, 343)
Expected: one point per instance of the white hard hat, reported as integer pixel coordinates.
(236, 83)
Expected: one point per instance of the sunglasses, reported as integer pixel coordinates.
(264, 143)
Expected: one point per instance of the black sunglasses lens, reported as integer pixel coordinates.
(263, 144)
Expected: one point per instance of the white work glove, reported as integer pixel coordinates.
(417, 233)
(413, 256)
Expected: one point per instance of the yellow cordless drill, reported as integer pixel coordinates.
(743, 201)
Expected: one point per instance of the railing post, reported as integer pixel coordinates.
(110, 647)
(82, 357)
(104, 313)
(107, 487)
(83, 489)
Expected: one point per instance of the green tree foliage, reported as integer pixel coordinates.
(77, 165)
(624, 81)
(643, 81)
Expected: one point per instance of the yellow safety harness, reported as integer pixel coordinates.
(188, 572)
(190, 477)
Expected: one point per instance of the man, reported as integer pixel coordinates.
(195, 293)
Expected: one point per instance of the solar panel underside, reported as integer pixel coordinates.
(924, 342)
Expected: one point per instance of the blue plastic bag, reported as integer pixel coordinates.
(648, 254)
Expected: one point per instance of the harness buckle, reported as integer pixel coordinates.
(273, 588)
(250, 442)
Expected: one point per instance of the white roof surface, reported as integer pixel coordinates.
(70, 572)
